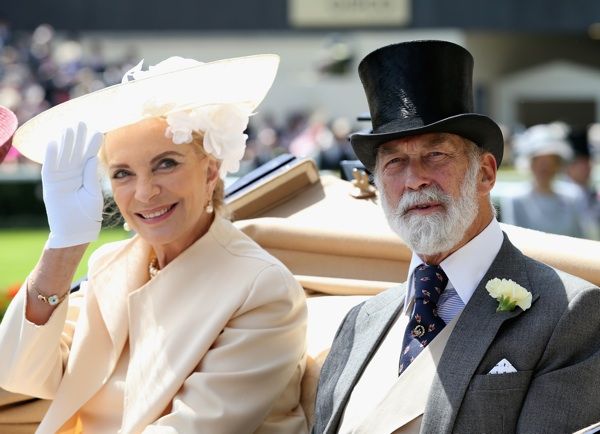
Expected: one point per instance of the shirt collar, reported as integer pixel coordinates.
(466, 267)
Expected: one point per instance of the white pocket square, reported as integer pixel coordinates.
(503, 367)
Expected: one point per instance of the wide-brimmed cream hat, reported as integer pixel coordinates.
(242, 81)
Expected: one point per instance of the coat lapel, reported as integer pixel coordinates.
(119, 274)
(371, 326)
(174, 320)
(474, 332)
(105, 328)
(407, 398)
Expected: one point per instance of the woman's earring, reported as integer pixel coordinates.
(209, 207)
(126, 227)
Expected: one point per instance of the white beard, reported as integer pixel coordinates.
(441, 231)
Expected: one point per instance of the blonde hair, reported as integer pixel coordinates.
(218, 195)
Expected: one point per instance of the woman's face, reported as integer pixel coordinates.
(545, 168)
(161, 188)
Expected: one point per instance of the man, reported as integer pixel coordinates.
(434, 355)
(579, 177)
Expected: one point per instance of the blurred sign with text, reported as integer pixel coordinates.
(348, 13)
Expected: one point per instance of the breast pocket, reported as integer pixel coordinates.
(501, 382)
(492, 403)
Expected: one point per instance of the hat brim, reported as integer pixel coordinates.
(475, 127)
(244, 80)
(8, 124)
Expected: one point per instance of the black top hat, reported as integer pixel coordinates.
(578, 139)
(421, 87)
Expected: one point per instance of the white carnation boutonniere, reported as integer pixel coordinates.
(509, 294)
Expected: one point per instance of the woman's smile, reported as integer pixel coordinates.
(156, 215)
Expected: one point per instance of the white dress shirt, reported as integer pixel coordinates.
(465, 268)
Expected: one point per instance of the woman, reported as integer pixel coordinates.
(187, 327)
(544, 149)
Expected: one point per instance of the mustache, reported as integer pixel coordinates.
(410, 199)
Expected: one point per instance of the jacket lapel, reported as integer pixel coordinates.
(120, 273)
(174, 320)
(407, 398)
(105, 328)
(474, 332)
(371, 326)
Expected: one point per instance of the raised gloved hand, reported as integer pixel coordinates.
(72, 191)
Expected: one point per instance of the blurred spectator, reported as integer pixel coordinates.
(579, 184)
(544, 148)
(268, 145)
(508, 157)
(336, 147)
(313, 132)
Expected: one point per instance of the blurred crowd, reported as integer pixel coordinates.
(560, 195)
(40, 69)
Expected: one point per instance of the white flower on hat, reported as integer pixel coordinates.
(222, 125)
(224, 135)
(183, 123)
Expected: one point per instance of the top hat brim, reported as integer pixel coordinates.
(480, 129)
(241, 80)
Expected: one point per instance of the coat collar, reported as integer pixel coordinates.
(464, 352)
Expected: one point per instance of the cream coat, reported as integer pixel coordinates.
(217, 341)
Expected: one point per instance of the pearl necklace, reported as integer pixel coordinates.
(153, 268)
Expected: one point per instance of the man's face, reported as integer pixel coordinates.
(579, 170)
(431, 190)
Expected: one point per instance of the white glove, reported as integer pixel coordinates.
(72, 191)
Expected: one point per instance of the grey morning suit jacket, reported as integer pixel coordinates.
(554, 345)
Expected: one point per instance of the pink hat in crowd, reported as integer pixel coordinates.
(8, 125)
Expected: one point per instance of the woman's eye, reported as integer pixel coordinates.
(167, 163)
(120, 174)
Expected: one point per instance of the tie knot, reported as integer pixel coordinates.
(430, 282)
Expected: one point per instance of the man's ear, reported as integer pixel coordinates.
(487, 173)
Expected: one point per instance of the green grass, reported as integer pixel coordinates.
(20, 250)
